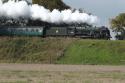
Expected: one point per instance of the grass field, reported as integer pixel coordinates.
(61, 51)
(96, 52)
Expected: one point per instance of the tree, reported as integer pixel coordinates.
(118, 24)
(52, 4)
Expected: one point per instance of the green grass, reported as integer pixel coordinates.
(61, 51)
(95, 52)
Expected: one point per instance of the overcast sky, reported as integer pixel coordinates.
(104, 9)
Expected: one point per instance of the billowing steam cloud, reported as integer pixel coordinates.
(12, 9)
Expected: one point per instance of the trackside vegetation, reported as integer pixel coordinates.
(32, 49)
(61, 51)
(52, 4)
(95, 52)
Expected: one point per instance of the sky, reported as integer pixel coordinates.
(104, 9)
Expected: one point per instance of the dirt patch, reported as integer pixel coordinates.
(45, 73)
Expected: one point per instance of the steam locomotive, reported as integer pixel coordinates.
(56, 31)
(44, 29)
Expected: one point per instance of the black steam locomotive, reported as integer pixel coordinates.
(79, 31)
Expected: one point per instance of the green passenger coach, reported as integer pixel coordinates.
(22, 31)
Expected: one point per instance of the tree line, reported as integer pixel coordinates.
(52, 4)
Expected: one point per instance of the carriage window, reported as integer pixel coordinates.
(27, 30)
(32, 30)
(37, 30)
(21, 30)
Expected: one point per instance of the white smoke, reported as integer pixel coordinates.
(12, 9)
(1, 2)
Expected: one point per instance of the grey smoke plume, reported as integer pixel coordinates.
(12, 9)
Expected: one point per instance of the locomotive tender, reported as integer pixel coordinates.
(56, 31)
